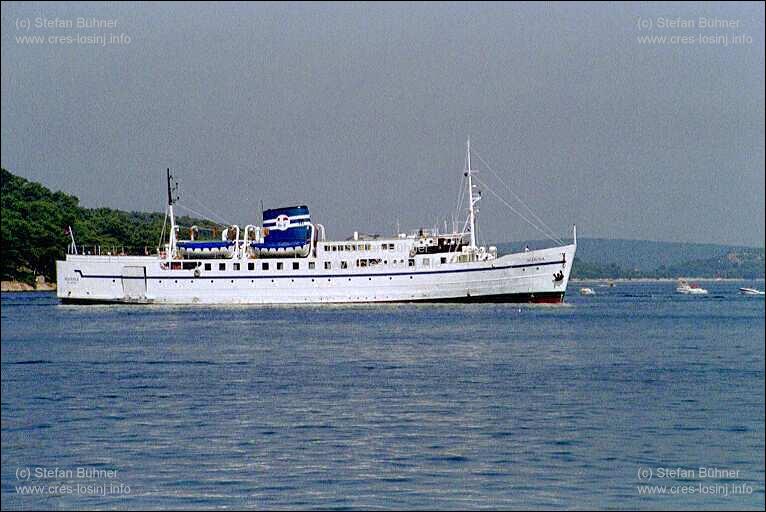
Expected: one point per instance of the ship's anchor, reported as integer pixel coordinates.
(559, 276)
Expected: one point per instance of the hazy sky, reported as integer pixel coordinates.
(361, 111)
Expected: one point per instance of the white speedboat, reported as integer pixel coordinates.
(587, 291)
(751, 291)
(690, 289)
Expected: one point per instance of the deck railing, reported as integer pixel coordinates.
(113, 250)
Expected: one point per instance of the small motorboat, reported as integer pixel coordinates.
(751, 291)
(690, 289)
(587, 291)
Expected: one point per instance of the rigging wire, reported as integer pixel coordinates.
(202, 215)
(210, 211)
(164, 223)
(460, 197)
(514, 210)
(550, 232)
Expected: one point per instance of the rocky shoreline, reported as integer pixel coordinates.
(18, 286)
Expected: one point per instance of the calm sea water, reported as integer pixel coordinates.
(389, 406)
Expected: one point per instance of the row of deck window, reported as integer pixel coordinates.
(358, 247)
(296, 265)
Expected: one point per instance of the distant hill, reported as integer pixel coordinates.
(599, 257)
(641, 255)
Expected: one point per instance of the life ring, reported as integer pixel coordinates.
(412, 252)
(197, 273)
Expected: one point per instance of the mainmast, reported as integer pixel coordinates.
(472, 198)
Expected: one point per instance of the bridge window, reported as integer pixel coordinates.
(425, 262)
(189, 265)
(296, 265)
(280, 265)
(207, 266)
(236, 266)
(344, 264)
(251, 266)
(312, 265)
(443, 260)
(264, 266)
(410, 262)
(222, 266)
(327, 265)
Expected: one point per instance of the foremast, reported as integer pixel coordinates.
(173, 235)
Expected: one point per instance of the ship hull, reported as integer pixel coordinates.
(506, 298)
(539, 276)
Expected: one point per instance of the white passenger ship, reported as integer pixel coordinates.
(289, 261)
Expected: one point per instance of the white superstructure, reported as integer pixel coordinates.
(288, 261)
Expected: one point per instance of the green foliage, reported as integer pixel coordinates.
(34, 222)
(588, 270)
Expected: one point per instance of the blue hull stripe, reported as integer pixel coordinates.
(319, 276)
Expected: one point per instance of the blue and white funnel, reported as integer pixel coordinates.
(286, 232)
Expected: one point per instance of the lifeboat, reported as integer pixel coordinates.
(206, 249)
